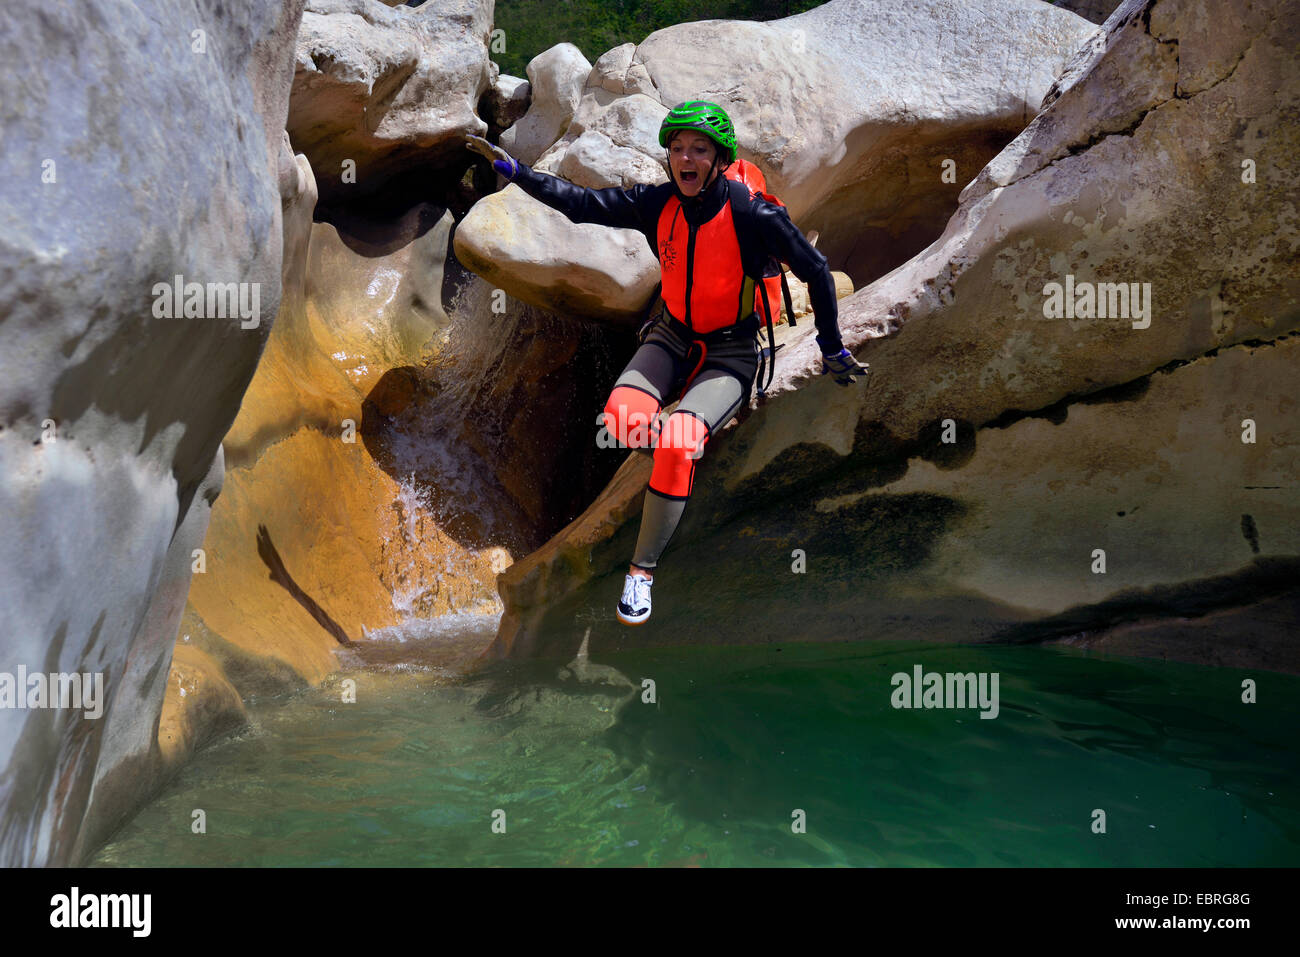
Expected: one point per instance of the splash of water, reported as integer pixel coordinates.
(428, 563)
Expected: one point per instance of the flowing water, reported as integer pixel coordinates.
(524, 765)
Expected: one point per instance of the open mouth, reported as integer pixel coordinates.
(689, 177)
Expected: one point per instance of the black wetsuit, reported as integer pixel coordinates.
(721, 380)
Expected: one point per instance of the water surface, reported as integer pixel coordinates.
(739, 740)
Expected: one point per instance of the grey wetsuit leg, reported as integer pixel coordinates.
(715, 396)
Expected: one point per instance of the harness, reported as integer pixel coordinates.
(700, 342)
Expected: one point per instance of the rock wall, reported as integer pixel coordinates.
(1095, 10)
(314, 541)
(111, 413)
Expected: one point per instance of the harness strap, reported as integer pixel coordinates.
(704, 352)
(770, 350)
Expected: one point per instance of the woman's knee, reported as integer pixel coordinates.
(681, 443)
(630, 416)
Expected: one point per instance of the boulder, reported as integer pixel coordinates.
(611, 141)
(381, 91)
(556, 77)
(507, 100)
(596, 161)
(535, 254)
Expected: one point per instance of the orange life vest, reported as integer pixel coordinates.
(702, 273)
(706, 261)
(704, 285)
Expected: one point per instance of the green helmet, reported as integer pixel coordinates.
(708, 118)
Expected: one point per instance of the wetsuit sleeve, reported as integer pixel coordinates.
(787, 243)
(623, 208)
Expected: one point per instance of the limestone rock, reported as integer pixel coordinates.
(315, 543)
(507, 100)
(113, 413)
(201, 704)
(595, 161)
(612, 141)
(556, 76)
(500, 427)
(377, 313)
(538, 256)
(1095, 10)
(610, 69)
(799, 292)
(388, 89)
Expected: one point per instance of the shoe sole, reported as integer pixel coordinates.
(628, 621)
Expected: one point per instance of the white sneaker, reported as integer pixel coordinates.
(634, 606)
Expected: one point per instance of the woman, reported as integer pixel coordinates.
(713, 238)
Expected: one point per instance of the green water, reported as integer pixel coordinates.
(738, 739)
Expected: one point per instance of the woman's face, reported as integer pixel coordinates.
(689, 156)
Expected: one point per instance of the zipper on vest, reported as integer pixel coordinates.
(690, 270)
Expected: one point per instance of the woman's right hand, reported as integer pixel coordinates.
(502, 162)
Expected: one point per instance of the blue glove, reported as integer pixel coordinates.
(844, 367)
(502, 161)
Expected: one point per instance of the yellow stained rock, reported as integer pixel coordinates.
(311, 543)
(199, 703)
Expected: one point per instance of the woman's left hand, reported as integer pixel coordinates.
(844, 367)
